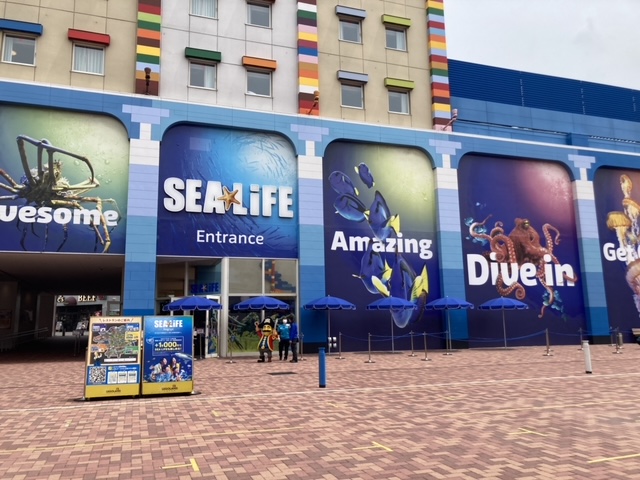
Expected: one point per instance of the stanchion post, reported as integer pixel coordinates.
(322, 368)
(547, 353)
(611, 334)
(425, 359)
(619, 343)
(448, 342)
(587, 357)
(340, 357)
(232, 338)
(580, 330)
(301, 356)
(369, 361)
(413, 354)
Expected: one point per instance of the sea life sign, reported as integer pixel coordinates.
(227, 193)
(168, 355)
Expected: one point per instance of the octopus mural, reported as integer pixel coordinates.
(522, 245)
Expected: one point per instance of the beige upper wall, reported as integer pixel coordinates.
(116, 18)
(374, 59)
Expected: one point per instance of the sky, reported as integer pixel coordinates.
(592, 40)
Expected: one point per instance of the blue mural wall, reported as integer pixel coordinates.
(380, 238)
(520, 241)
(227, 193)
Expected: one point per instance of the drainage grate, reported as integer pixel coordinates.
(282, 373)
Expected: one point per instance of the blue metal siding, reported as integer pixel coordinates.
(512, 87)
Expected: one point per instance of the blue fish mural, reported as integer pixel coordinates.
(350, 207)
(382, 223)
(365, 175)
(342, 184)
(374, 271)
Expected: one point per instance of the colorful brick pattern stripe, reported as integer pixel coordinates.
(148, 47)
(438, 65)
(308, 57)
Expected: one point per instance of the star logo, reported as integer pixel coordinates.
(228, 198)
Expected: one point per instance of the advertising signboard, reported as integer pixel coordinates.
(168, 355)
(113, 357)
(618, 212)
(380, 240)
(227, 193)
(519, 240)
(64, 181)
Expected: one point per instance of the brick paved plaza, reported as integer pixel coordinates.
(475, 414)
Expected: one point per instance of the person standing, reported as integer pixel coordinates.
(294, 338)
(283, 332)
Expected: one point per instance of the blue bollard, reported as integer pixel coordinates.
(322, 366)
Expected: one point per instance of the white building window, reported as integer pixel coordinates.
(19, 50)
(204, 8)
(352, 95)
(396, 39)
(399, 102)
(88, 59)
(259, 83)
(259, 14)
(202, 75)
(350, 30)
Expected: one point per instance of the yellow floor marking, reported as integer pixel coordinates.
(375, 445)
(526, 431)
(192, 463)
(611, 459)
(335, 405)
(214, 413)
(185, 436)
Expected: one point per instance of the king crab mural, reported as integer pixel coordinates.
(522, 245)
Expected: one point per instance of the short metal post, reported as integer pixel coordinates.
(425, 359)
(412, 352)
(340, 357)
(548, 353)
(581, 340)
(612, 333)
(619, 344)
(301, 357)
(232, 338)
(369, 361)
(322, 366)
(448, 342)
(587, 357)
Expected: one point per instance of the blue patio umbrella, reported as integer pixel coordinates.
(192, 303)
(329, 303)
(503, 303)
(391, 303)
(448, 303)
(262, 303)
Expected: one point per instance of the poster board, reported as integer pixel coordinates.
(168, 355)
(113, 357)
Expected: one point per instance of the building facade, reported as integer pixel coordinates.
(297, 150)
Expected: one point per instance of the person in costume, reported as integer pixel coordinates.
(266, 331)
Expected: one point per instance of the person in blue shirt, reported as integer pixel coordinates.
(283, 333)
(294, 338)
